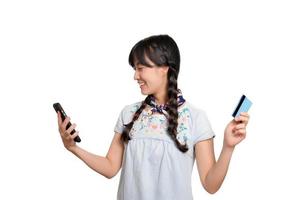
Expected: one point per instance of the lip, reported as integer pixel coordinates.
(141, 86)
(143, 83)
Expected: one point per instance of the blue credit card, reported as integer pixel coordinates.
(243, 106)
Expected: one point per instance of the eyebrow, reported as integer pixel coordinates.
(134, 67)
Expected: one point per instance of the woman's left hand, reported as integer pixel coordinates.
(235, 131)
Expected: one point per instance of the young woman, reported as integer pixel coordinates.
(157, 140)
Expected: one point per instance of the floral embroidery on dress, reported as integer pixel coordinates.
(153, 120)
(183, 132)
(149, 123)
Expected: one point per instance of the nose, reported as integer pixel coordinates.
(136, 75)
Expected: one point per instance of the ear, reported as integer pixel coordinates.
(165, 69)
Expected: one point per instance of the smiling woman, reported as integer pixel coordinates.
(157, 139)
(156, 61)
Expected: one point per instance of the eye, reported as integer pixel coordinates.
(139, 68)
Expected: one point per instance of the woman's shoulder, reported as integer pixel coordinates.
(132, 107)
(199, 119)
(193, 109)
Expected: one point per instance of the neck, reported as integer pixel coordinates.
(161, 97)
(160, 100)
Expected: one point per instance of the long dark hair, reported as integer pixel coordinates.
(162, 50)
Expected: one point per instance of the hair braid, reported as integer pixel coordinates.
(173, 109)
(161, 50)
(125, 135)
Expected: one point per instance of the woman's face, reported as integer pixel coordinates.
(152, 80)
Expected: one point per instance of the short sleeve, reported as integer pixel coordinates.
(119, 126)
(201, 129)
(125, 116)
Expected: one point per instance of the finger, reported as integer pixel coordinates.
(67, 132)
(239, 126)
(59, 118)
(239, 134)
(244, 114)
(75, 134)
(70, 129)
(241, 118)
(66, 121)
(241, 131)
(235, 133)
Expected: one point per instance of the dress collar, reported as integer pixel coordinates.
(164, 107)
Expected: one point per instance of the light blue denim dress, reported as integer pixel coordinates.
(153, 168)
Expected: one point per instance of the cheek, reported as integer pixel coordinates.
(154, 84)
(151, 78)
(146, 77)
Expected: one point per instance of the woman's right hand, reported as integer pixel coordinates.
(67, 138)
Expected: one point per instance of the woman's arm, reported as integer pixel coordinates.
(107, 166)
(212, 173)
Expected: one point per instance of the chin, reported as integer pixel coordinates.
(145, 92)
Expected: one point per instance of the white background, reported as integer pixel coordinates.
(76, 53)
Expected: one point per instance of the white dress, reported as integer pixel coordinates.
(153, 168)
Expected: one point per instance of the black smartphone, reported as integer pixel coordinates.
(58, 108)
